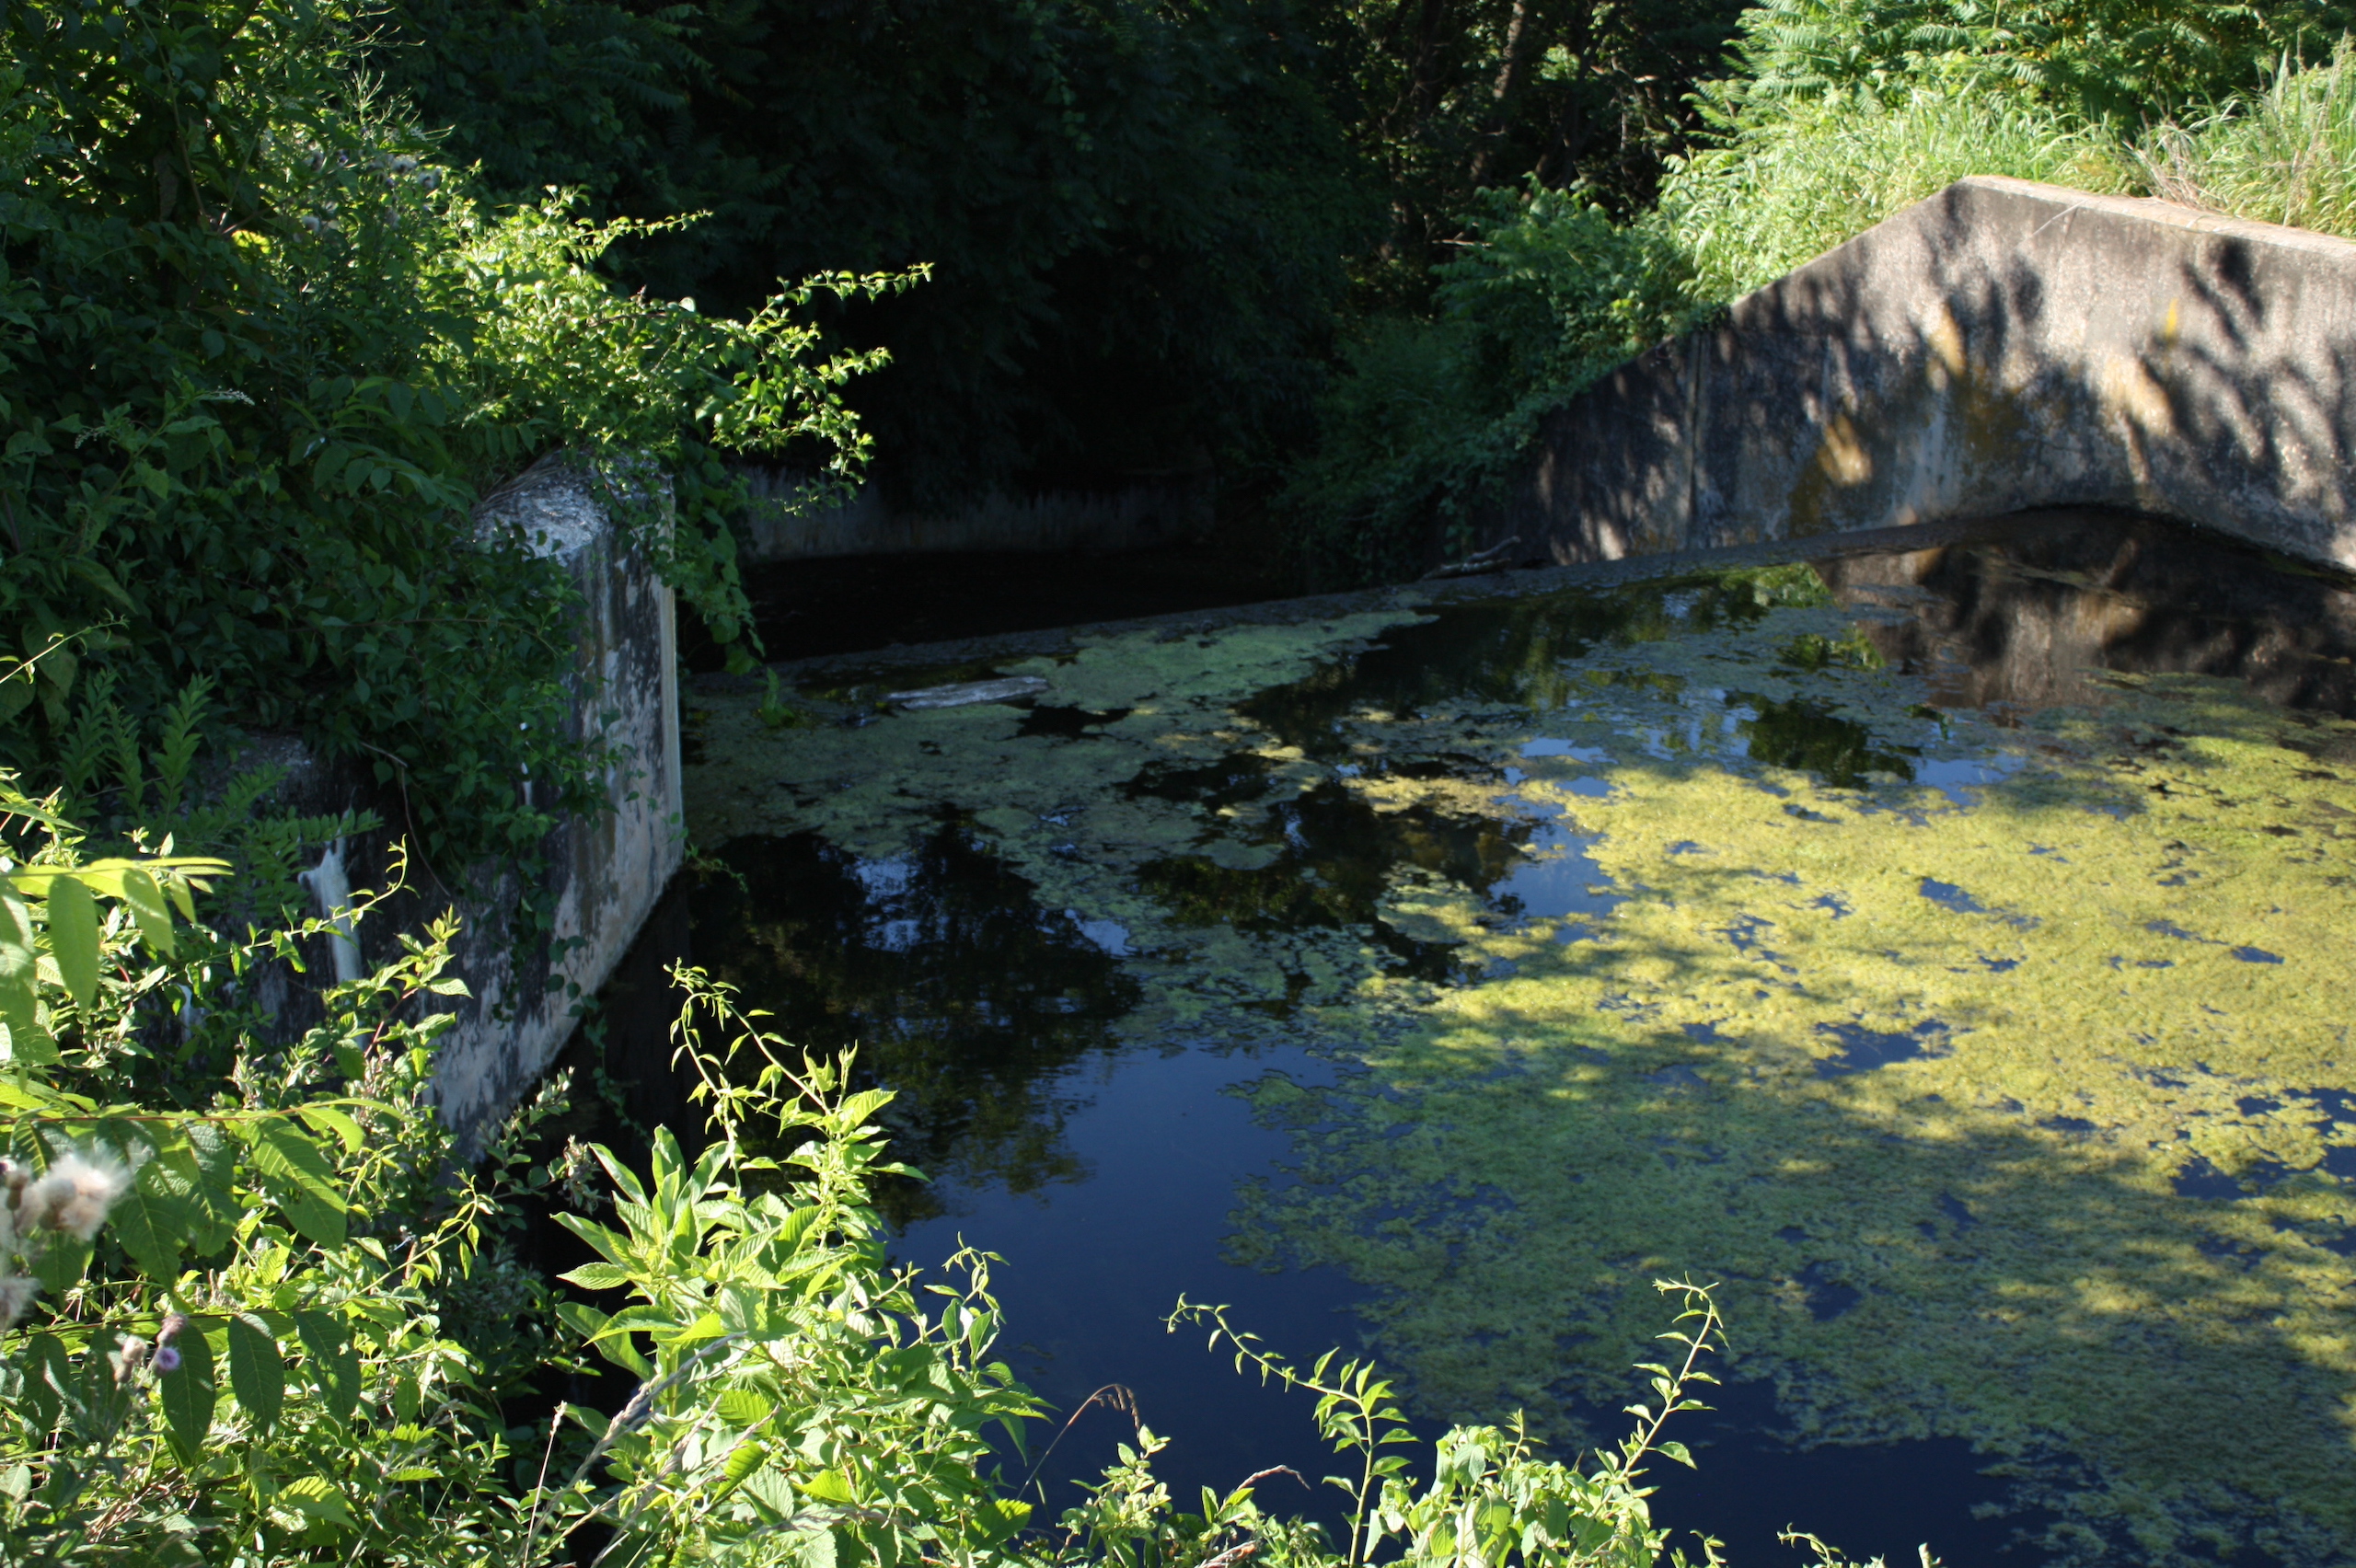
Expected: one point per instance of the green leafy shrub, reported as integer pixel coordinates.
(2123, 61)
(234, 1329)
(1841, 114)
(1429, 415)
(797, 1398)
(1136, 210)
(261, 355)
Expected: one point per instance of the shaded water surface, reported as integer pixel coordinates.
(1941, 949)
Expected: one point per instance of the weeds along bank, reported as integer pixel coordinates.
(1838, 114)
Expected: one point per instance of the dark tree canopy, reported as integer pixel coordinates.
(1137, 210)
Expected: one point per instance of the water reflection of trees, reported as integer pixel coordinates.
(962, 994)
(1514, 653)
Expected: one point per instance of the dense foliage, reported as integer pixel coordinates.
(2122, 60)
(1136, 211)
(1446, 99)
(1548, 294)
(262, 356)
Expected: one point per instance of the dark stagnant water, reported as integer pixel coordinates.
(1941, 949)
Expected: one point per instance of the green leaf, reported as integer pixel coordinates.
(73, 938)
(314, 1498)
(597, 1276)
(19, 978)
(743, 1407)
(328, 1121)
(255, 1370)
(590, 1324)
(828, 1486)
(213, 1155)
(743, 1460)
(151, 1217)
(300, 1179)
(99, 577)
(707, 1326)
(189, 1392)
(27, 1046)
(48, 1370)
(996, 1518)
(146, 900)
(59, 1267)
(334, 1361)
(818, 1550)
(314, 1216)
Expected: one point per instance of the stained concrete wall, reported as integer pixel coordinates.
(2001, 346)
(1171, 509)
(608, 869)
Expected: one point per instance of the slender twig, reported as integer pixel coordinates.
(642, 1405)
(1115, 1396)
(1694, 1346)
(540, 1484)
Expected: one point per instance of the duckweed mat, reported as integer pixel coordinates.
(1945, 951)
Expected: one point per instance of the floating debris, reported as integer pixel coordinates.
(1008, 689)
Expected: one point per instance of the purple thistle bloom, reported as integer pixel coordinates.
(167, 1360)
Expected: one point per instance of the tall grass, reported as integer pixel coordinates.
(1793, 185)
(2283, 155)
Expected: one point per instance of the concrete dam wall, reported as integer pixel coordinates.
(606, 868)
(2001, 346)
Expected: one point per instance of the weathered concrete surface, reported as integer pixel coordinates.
(1146, 514)
(2001, 346)
(606, 869)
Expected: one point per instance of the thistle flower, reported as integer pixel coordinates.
(72, 1196)
(167, 1360)
(130, 1353)
(13, 1180)
(16, 1293)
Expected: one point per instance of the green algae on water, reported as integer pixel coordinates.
(1995, 1061)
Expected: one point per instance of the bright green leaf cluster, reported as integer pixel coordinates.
(262, 357)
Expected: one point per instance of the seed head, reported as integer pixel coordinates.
(72, 1196)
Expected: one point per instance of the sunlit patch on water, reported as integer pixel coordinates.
(1949, 969)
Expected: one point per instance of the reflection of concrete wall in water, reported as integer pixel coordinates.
(607, 871)
(1999, 346)
(1164, 509)
(2018, 610)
